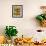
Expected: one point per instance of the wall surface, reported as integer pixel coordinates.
(26, 25)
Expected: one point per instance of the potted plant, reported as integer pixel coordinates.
(10, 31)
(42, 17)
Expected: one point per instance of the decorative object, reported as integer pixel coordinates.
(39, 30)
(17, 11)
(10, 31)
(9, 41)
(42, 17)
(23, 40)
(37, 43)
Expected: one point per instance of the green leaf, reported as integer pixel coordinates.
(10, 31)
(45, 16)
(40, 18)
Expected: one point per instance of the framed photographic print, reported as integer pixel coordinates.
(17, 11)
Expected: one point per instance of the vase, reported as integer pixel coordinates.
(13, 38)
(9, 41)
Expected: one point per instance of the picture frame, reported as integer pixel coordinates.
(17, 11)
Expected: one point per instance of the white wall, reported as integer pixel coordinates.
(26, 25)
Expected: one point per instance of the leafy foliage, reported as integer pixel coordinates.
(11, 31)
(41, 17)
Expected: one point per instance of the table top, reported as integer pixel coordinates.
(30, 45)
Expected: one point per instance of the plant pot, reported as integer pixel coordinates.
(43, 23)
(13, 38)
(9, 41)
